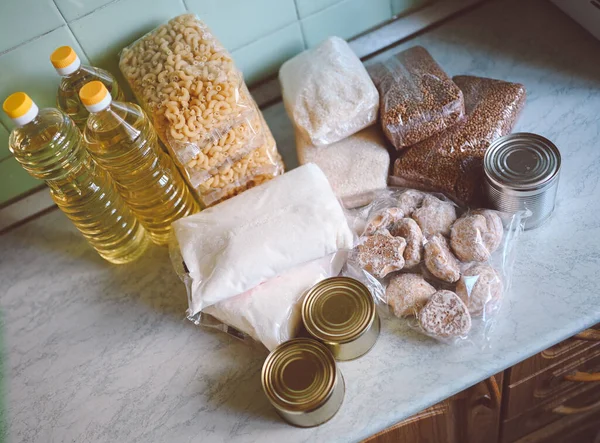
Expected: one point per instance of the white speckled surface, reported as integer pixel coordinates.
(98, 353)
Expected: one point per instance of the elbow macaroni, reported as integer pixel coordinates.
(201, 108)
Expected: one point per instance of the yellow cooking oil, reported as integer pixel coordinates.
(123, 141)
(50, 147)
(74, 76)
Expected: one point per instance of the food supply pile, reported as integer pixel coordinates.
(326, 248)
(435, 128)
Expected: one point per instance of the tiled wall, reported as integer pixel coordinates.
(261, 34)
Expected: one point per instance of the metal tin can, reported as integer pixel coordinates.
(522, 172)
(340, 313)
(301, 380)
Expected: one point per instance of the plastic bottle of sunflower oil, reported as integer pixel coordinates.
(49, 146)
(123, 141)
(74, 76)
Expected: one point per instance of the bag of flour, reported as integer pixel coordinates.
(242, 242)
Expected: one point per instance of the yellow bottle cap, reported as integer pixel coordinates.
(17, 104)
(95, 96)
(93, 93)
(20, 108)
(63, 57)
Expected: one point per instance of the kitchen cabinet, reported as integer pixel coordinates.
(552, 397)
(428, 426)
(467, 417)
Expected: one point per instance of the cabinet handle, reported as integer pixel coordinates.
(566, 410)
(583, 376)
(588, 335)
(495, 395)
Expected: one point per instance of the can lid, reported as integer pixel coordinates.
(338, 310)
(299, 375)
(522, 161)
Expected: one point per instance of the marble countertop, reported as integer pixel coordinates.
(99, 353)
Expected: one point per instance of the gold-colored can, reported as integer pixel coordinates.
(340, 312)
(301, 380)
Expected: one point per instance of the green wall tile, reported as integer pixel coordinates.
(403, 6)
(21, 20)
(309, 7)
(264, 56)
(345, 19)
(28, 68)
(4, 152)
(14, 181)
(73, 9)
(106, 31)
(237, 23)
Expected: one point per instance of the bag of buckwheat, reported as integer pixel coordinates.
(327, 92)
(417, 98)
(202, 111)
(452, 161)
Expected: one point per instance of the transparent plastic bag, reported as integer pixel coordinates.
(176, 71)
(453, 288)
(234, 246)
(417, 98)
(201, 108)
(354, 166)
(271, 313)
(258, 166)
(327, 92)
(452, 161)
(202, 162)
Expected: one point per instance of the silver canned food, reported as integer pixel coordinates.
(522, 172)
(301, 380)
(340, 312)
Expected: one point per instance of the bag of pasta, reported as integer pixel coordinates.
(201, 109)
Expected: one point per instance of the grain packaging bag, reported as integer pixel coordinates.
(233, 247)
(202, 110)
(417, 98)
(452, 161)
(271, 313)
(354, 166)
(327, 92)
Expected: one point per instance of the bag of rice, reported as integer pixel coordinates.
(354, 166)
(327, 92)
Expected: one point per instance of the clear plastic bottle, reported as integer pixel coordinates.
(123, 141)
(49, 146)
(74, 76)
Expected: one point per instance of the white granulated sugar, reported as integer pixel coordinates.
(271, 313)
(239, 243)
(328, 93)
(356, 165)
